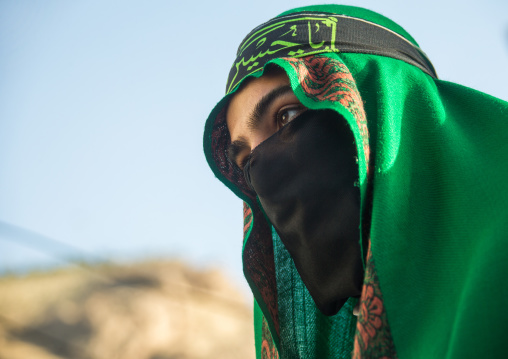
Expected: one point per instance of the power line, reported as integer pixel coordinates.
(28, 238)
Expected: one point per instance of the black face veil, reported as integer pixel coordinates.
(304, 176)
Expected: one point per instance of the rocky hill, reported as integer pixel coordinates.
(150, 310)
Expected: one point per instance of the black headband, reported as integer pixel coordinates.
(307, 33)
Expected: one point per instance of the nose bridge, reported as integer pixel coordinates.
(256, 142)
(262, 134)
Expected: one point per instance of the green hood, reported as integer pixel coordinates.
(433, 162)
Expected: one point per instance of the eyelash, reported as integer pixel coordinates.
(279, 115)
(244, 161)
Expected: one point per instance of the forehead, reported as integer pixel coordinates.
(244, 101)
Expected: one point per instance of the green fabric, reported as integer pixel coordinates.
(305, 332)
(258, 328)
(439, 166)
(439, 213)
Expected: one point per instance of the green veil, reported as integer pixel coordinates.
(433, 165)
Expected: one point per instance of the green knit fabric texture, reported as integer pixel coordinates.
(440, 208)
(305, 332)
(439, 212)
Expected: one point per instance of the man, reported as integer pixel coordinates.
(370, 187)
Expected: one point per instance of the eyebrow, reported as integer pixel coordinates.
(263, 105)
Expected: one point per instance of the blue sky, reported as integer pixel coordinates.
(102, 106)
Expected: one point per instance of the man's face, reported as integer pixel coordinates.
(257, 111)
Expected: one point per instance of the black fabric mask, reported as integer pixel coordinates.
(304, 178)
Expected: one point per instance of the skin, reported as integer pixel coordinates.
(258, 110)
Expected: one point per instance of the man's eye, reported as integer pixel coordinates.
(288, 114)
(243, 161)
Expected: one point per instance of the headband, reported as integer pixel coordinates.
(308, 33)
